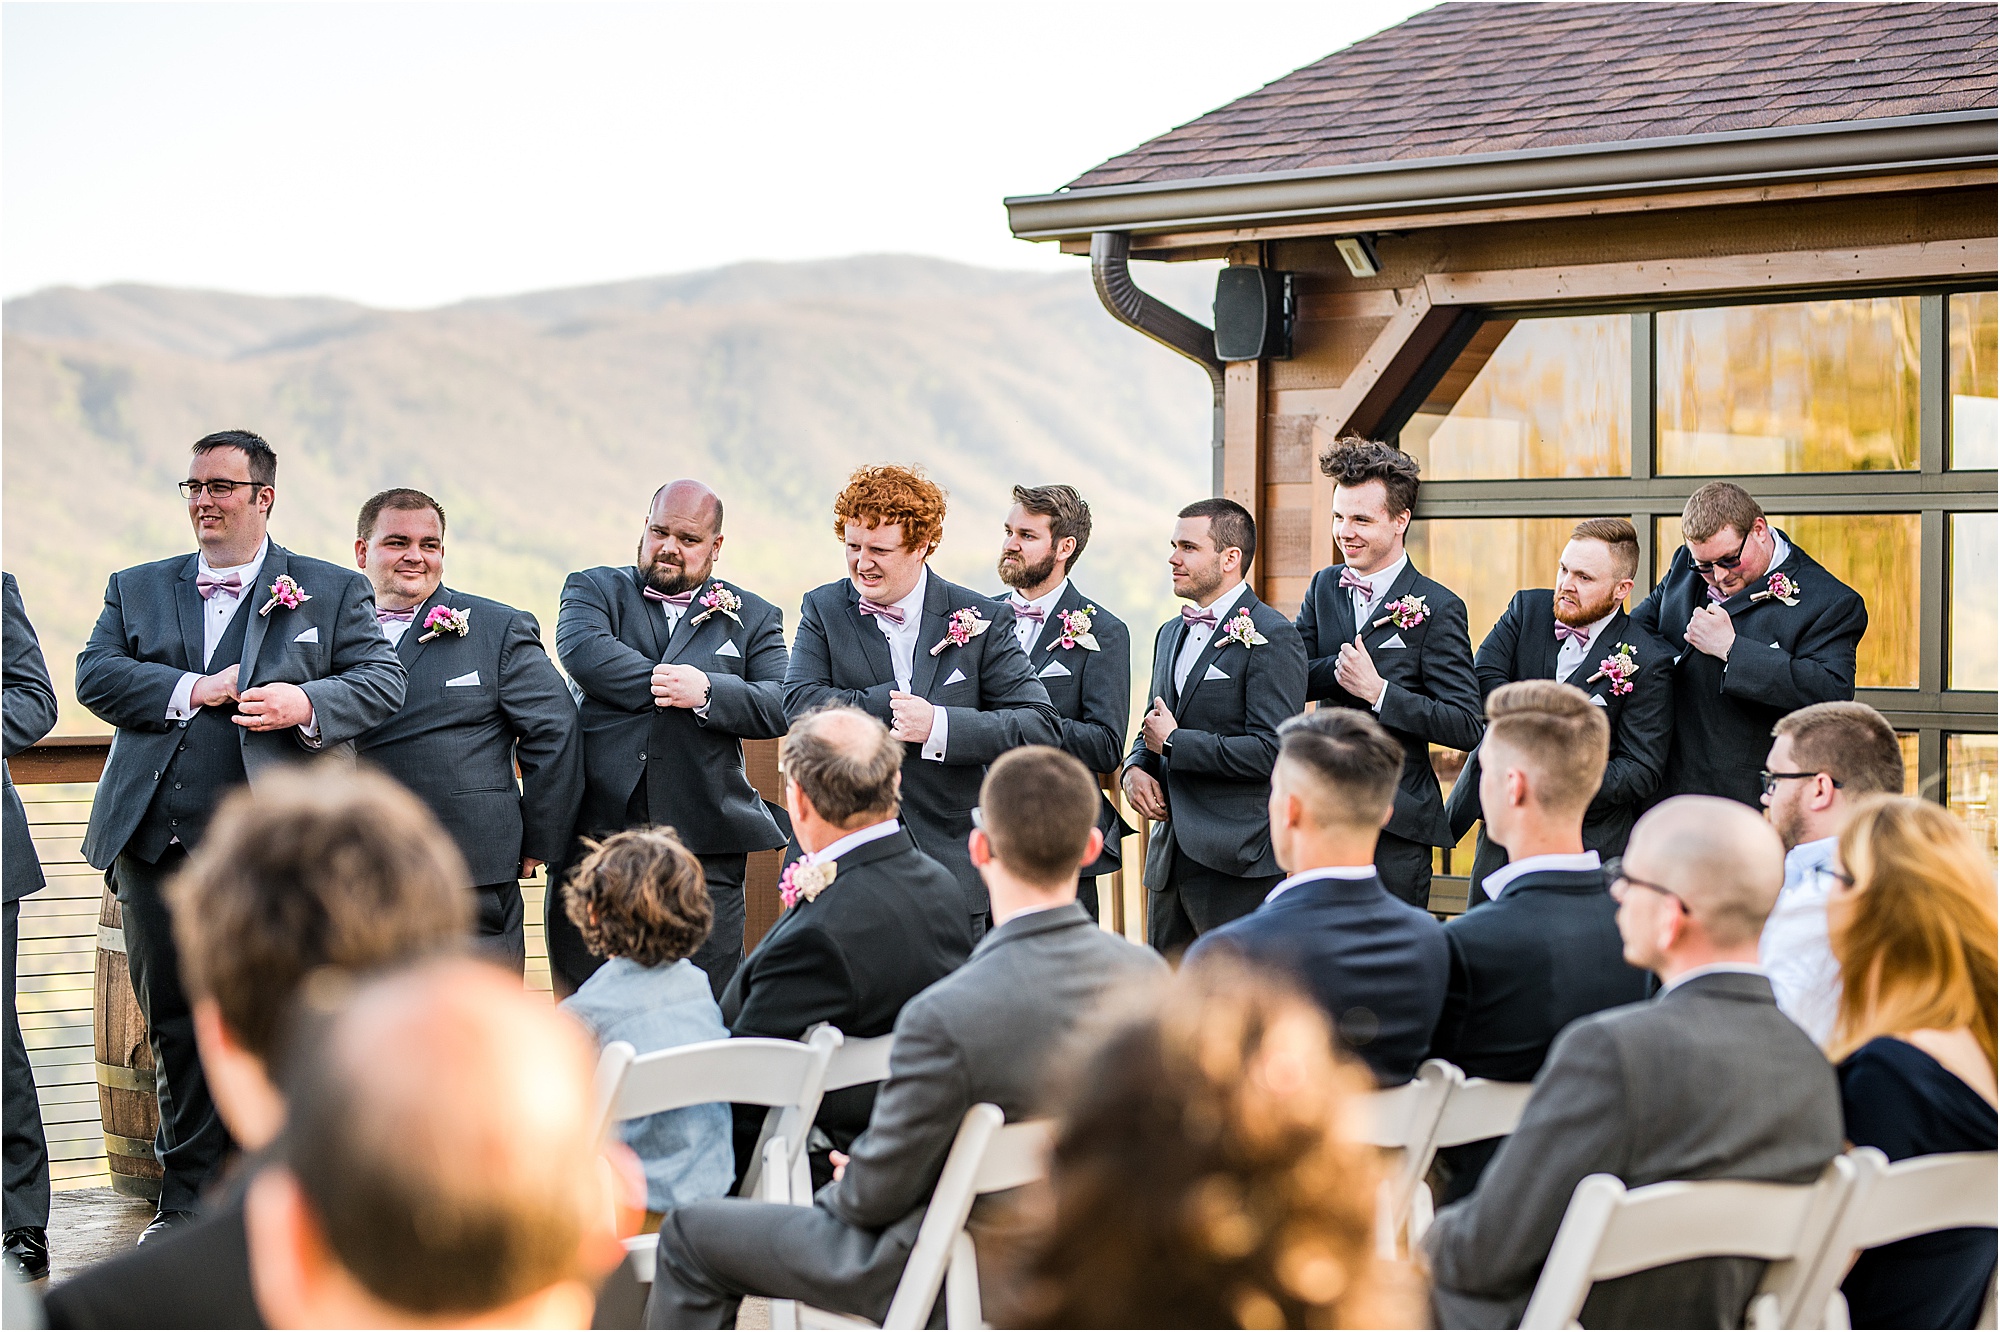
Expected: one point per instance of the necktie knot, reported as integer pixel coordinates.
(1028, 610)
(399, 616)
(677, 599)
(1193, 615)
(1569, 633)
(893, 614)
(230, 585)
(1354, 582)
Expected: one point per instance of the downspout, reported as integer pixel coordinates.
(1110, 272)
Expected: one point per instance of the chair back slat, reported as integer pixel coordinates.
(748, 1071)
(1405, 1117)
(1479, 1109)
(1925, 1194)
(1017, 1155)
(858, 1062)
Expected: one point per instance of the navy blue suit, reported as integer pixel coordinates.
(1375, 964)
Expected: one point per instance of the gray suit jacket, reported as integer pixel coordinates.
(150, 632)
(28, 712)
(1708, 1081)
(475, 705)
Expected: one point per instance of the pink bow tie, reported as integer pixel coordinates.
(1350, 580)
(1569, 633)
(1196, 615)
(680, 599)
(208, 585)
(403, 616)
(1027, 610)
(1717, 594)
(893, 614)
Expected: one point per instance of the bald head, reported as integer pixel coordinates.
(683, 536)
(689, 498)
(1718, 857)
(846, 763)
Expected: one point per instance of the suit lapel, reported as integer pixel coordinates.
(874, 647)
(411, 645)
(685, 629)
(650, 621)
(1544, 650)
(937, 608)
(1045, 647)
(1211, 651)
(187, 602)
(275, 564)
(1167, 651)
(1342, 611)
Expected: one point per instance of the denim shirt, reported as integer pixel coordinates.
(687, 1153)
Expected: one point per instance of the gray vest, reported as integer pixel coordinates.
(206, 763)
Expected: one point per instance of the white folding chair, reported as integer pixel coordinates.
(1611, 1231)
(1476, 1110)
(1405, 1120)
(1894, 1202)
(987, 1156)
(858, 1061)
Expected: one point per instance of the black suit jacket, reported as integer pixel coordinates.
(1217, 774)
(476, 704)
(150, 632)
(1091, 692)
(987, 685)
(196, 1276)
(1522, 646)
(27, 713)
(610, 637)
(891, 922)
(1433, 696)
(1784, 658)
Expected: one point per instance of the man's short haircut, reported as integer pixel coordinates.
(1849, 742)
(1558, 734)
(263, 458)
(1352, 761)
(1717, 505)
(397, 497)
(1038, 806)
(1617, 533)
(845, 761)
(1068, 514)
(886, 493)
(1229, 524)
(1354, 461)
(312, 869)
(640, 894)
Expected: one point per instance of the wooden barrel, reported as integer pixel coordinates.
(126, 1100)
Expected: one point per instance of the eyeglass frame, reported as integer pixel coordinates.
(1771, 779)
(190, 488)
(1614, 874)
(1726, 562)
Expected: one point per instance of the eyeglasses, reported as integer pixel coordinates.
(1616, 878)
(1726, 562)
(1840, 875)
(221, 490)
(1771, 779)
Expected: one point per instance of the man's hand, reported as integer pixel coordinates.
(840, 1160)
(679, 687)
(212, 691)
(1357, 674)
(1710, 630)
(1157, 725)
(273, 707)
(911, 717)
(528, 867)
(1143, 790)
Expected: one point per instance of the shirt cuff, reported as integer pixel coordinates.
(940, 730)
(309, 731)
(180, 705)
(1376, 706)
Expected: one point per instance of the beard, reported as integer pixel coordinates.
(1586, 614)
(671, 579)
(1201, 583)
(1023, 574)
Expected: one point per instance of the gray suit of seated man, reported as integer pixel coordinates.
(985, 1033)
(1707, 1081)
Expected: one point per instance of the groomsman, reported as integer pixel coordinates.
(676, 668)
(1761, 630)
(213, 667)
(27, 713)
(939, 664)
(1578, 633)
(1383, 638)
(1080, 652)
(483, 696)
(1227, 671)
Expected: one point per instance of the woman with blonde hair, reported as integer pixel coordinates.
(1911, 921)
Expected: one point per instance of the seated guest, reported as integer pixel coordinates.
(1912, 926)
(639, 900)
(1708, 1081)
(1544, 950)
(309, 870)
(438, 1165)
(1375, 963)
(850, 955)
(1203, 1175)
(982, 1034)
(1823, 758)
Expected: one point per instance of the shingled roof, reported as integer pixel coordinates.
(1469, 78)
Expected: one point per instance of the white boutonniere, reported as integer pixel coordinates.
(719, 600)
(1076, 629)
(802, 880)
(1242, 629)
(964, 626)
(285, 592)
(444, 620)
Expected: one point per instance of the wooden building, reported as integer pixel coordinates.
(1578, 259)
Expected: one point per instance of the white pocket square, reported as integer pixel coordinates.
(469, 678)
(1393, 640)
(728, 649)
(311, 635)
(1054, 668)
(1215, 674)
(1598, 699)
(954, 677)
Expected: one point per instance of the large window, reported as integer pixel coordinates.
(1975, 397)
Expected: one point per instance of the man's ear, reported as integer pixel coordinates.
(1092, 848)
(980, 849)
(1517, 787)
(1388, 812)
(360, 554)
(287, 1252)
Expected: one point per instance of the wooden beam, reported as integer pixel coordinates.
(1243, 443)
(61, 759)
(1411, 335)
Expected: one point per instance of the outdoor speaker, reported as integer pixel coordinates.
(1253, 314)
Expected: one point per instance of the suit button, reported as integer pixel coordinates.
(177, 786)
(642, 759)
(184, 725)
(156, 774)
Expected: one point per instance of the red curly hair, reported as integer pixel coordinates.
(886, 493)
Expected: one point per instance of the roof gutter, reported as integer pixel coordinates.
(1956, 139)
(1111, 274)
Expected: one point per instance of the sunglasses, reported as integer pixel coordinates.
(1723, 562)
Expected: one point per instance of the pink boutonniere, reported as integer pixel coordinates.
(285, 592)
(1619, 668)
(444, 620)
(1076, 629)
(964, 626)
(720, 600)
(803, 880)
(1779, 588)
(1242, 629)
(1406, 613)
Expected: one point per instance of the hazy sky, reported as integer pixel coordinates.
(414, 154)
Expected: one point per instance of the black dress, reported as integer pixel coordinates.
(1902, 1101)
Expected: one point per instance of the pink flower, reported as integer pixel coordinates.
(444, 620)
(1619, 668)
(963, 626)
(720, 599)
(1076, 629)
(284, 592)
(1779, 588)
(1407, 613)
(803, 879)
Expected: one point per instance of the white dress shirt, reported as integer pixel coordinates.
(903, 656)
(1028, 632)
(1323, 872)
(1574, 652)
(1378, 587)
(1712, 969)
(1563, 862)
(1199, 635)
(1781, 550)
(216, 613)
(860, 837)
(1794, 948)
(395, 629)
